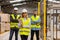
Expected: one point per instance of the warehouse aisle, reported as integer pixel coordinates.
(5, 36)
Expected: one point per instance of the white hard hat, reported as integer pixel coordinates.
(15, 8)
(24, 10)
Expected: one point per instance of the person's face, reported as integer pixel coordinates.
(35, 12)
(25, 14)
(15, 11)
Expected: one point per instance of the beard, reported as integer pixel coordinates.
(34, 14)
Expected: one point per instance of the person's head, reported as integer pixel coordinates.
(35, 12)
(24, 13)
(15, 10)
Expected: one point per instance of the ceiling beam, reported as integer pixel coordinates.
(8, 3)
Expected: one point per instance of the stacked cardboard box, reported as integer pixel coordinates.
(5, 18)
(2, 27)
(7, 26)
(4, 22)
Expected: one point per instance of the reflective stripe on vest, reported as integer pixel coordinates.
(35, 19)
(26, 22)
(35, 26)
(14, 24)
(25, 31)
(14, 16)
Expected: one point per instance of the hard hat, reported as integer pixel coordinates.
(15, 8)
(24, 10)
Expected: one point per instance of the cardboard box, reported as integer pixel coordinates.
(5, 17)
(7, 26)
(2, 27)
(4, 22)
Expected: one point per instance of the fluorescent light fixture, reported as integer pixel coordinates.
(19, 4)
(16, 4)
(50, 0)
(54, 1)
(16, 1)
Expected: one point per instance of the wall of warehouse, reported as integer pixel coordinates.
(30, 9)
(9, 9)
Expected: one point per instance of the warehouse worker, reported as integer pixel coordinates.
(14, 24)
(25, 28)
(35, 25)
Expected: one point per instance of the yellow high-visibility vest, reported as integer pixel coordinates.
(25, 30)
(14, 24)
(35, 19)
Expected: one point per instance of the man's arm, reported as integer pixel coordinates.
(32, 22)
(39, 20)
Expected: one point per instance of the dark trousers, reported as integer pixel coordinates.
(12, 32)
(24, 37)
(37, 34)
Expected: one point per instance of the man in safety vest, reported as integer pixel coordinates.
(35, 25)
(25, 28)
(14, 24)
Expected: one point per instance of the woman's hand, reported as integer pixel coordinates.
(20, 23)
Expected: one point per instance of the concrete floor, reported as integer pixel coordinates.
(5, 36)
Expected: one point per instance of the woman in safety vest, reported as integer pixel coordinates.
(25, 25)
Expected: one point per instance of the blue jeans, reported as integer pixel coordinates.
(12, 32)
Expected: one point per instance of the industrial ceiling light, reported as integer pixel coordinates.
(16, 1)
(50, 0)
(54, 1)
(16, 4)
(19, 4)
